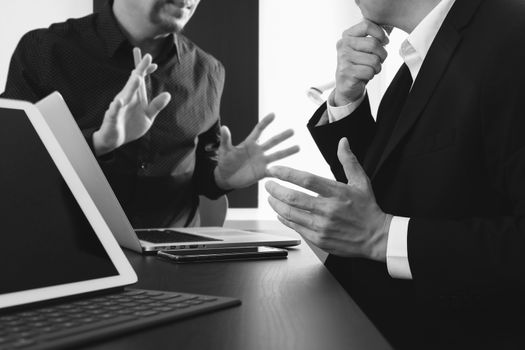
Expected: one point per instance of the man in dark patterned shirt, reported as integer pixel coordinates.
(158, 157)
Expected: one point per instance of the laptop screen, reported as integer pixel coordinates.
(46, 239)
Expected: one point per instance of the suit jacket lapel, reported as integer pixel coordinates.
(433, 68)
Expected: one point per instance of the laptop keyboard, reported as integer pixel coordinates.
(93, 318)
(170, 236)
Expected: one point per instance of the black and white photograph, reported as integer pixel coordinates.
(262, 174)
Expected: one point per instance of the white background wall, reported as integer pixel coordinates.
(19, 16)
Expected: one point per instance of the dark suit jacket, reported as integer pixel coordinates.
(454, 164)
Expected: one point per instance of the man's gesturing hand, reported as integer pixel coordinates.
(245, 164)
(360, 54)
(344, 219)
(127, 119)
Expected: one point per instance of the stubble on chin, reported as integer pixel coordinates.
(164, 23)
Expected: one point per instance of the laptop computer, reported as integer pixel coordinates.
(63, 272)
(67, 133)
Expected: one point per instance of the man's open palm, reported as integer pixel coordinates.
(129, 116)
(245, 164)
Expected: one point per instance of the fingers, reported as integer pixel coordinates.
(354, 47)
(137, 55)
(310, 235)
(129, 89)
(135, 79)
(151, 69)
(367, 45)
(360, 54)
(259, 128)
(282, 154)
(305, 223)
(290, 213)
(277, 139)
(366, 37)
(293, 198)
(369, 60)
(317, 184)
(142, 92)
(226, 138)
(355, 174)
(112, 112)
(143, 66)
(157, 105)
(357, 74)
(368, 28)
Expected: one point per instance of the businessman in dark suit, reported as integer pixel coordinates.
(425, 224)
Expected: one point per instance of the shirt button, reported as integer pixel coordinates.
(143, 165)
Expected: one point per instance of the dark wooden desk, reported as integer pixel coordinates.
(291, 303)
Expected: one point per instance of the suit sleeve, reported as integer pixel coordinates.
(359, 128)
(208, 143)
(483, 255)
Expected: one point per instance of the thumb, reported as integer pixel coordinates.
(354, 172)
(226, 138)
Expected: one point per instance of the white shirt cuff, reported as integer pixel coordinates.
(338, 113)
(397, 249)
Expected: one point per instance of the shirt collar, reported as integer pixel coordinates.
(415, 48)
(110, 32)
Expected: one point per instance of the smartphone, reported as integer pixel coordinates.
(222, 254)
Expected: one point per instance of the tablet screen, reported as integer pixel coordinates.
(46, 239)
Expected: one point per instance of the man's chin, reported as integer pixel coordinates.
(171, 26)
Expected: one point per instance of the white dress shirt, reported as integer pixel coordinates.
(413, 51)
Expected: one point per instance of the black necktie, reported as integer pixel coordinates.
(389, 110)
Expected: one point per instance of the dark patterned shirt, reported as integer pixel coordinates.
(157, 178)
